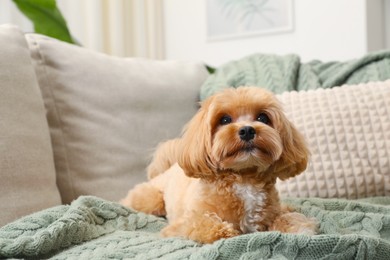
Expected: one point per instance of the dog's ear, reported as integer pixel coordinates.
(295, 154)
(195, 144)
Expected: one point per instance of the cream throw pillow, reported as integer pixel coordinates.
(27, 182)
(107, 114)
(348, 131)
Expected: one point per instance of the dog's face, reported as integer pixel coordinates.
(242, 130)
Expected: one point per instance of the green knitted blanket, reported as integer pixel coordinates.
(287, 73)
(92, 228)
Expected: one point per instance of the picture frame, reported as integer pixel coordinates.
(230, 19)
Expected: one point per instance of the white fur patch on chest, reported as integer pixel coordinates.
(254, 200)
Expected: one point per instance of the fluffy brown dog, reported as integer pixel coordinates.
(218, 179)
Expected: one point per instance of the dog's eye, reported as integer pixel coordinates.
(263, 118)
(225, 120)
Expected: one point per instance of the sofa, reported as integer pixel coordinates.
(78, 129)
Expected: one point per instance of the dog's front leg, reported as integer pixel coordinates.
(201, 227)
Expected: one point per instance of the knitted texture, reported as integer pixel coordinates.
(92, 228)
(287, 73)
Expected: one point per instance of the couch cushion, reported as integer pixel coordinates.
(28, 181)
(348, 131)
(107, 114)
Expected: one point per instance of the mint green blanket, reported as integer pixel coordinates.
(287, 73)
(92, 228)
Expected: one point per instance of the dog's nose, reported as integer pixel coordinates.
(247, 133)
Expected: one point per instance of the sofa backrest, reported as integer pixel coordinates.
(27, 173)
(75, 122)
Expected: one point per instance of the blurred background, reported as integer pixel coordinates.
(217, 31)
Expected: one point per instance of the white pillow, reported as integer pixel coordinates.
(348, 132)
(107, 114)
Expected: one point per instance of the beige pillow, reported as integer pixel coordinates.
(348, 131)
(107, 114)
(27, 182)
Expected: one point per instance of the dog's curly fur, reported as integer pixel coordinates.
(218, 180)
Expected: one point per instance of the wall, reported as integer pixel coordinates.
(10, 14)
(120, 27)
(323, 29)
(386, 15)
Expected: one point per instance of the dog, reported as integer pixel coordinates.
(218, 179)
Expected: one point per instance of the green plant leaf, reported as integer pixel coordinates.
(46, 17)
(210, 69)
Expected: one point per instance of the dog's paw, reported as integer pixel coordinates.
(203, 228)
(296, 223)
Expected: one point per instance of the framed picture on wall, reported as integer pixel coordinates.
(228, 19)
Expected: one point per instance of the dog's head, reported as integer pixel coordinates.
(240, 130)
